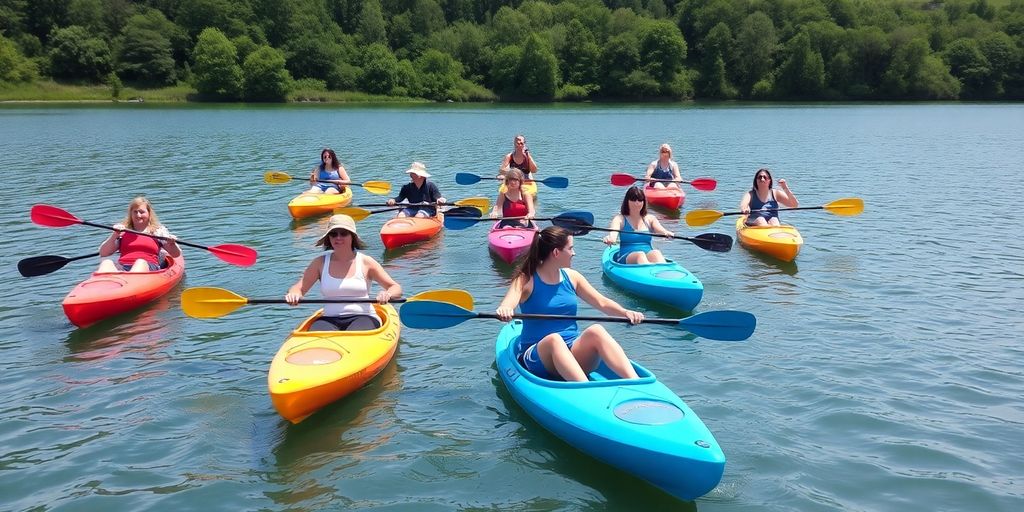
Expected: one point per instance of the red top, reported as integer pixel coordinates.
(137, 247)
(512, 208)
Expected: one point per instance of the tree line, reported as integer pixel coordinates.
(533, 50)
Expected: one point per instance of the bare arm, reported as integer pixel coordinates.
(675, 170)
(530, 212)
(786, 196)
(650, 170)
(391, 288)
(613, 238)
(498, 205)
(109, 246)
(530, 163)
(518, 291)
(343, 176)
(504, 165)
(745, 203)
(656, 226)
(308, 279)
(593, 297)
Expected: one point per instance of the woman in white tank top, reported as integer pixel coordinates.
(344, 274)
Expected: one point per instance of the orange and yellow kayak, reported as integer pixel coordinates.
(782, 242)
(529, 187)
(315, 368)
(308, 205)
(407, 230)
(105, 294)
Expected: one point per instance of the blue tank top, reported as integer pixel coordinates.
(326, 173)
(549, 299)
(756, 204)
(631, 240)
(662, 174)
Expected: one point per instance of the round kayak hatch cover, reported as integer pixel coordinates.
(313, 356)
(671, 275)
(644, 411)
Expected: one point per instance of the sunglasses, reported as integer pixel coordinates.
(338, 233)
(763, 177)
(665, 151)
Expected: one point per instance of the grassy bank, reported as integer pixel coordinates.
(57, 92)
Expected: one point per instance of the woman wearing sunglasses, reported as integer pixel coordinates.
(664, 168)
(761, 202)
(330, 177)
(344, 274)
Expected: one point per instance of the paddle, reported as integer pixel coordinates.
(723, 325)
(208, 302)
(478, 205)
(465, 178)
(847, 207)
(716, 242)
(620, 179)
(42, 265)
(456, 220)
(53, 217)
(373, 187)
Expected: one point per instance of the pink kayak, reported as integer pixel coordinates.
(510, 243)
(407, 230)
(106, 294)
(671, 198)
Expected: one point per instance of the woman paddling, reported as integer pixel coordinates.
(636, 224)
(761, 202)
(519, 158)
(418, 190)
(664, 168)
(344, 274)
(555, 349)
(139, 253)
(514, 203)
(330, 177)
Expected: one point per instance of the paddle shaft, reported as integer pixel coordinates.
(181, 242)
(610, 230)
(320, 301)
(619, 319)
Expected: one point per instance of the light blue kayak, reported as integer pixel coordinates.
(667, 282)
(639, 426)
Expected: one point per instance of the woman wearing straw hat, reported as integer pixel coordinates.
(344, 274)
(419, 190)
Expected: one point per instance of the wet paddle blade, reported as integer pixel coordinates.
(725, 325)
(357, 214)
(52, 217)
(556, 182)
(377, 187)
(702, 217)
(620, 179)
(465, 178)
(460, 298)
(457, 222)
(209, 302)
(715, 242)
(705, 184)
(276, 177)
(235, 254)
(847, 207)
(41, 265)
(481, 203)
(428, 314)
(464, 212)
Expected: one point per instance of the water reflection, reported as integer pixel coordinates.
(425, 251)
(142, 331)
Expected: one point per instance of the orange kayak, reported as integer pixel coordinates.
(783, 242)
(315, 368)
(407, 230)
(106, 294)
(668, 197)
(308, 205)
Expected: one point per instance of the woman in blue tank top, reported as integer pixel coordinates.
(633, 219)
(761, 202)
(330, 177)
(555, 349)
(664, 168)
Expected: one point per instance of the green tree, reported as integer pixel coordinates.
(619, 58)
(144, 55)
(370, 26)
(716, 48)
(231, 17)
(266, 78)
(1002, 55)
(14, 67)
(581, 56)
(216, 70)
(427, 17)
(505, 70)
(12, 17)
(309, 56)
(438, 74)
(755, 48)
(662, 50)
(538, 70)
(802, 74)
(380, 69)
(969, 65)
(42, 16)
(76, 55)
(509, 26)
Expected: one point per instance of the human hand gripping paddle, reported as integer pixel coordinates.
(723, 325)
(53, 217)
(373, 187)
(847, 207)
(208, 302)
(715, 242)
(621, 179)
(467, 205)
(465, 178)
(461, 219)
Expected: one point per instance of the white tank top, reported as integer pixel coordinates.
(356, 287)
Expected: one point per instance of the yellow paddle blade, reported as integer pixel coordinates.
(357, 214)
(482, 203)
(460, 298)
(847, 206)
(208, 302)
(377, 187)
(702, 217)
(276, 177)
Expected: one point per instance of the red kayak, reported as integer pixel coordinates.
(407, 230)
(106, 294)
(668, 197)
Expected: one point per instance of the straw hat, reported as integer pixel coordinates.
(418, 169)
(345, 222)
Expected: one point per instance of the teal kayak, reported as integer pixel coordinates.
(667, 282)
(637, 425)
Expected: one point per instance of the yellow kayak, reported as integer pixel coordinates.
(782, 242)
(308, 205)
(315, 368)
(528, 188)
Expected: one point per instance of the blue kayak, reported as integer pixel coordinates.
(639, 426)
(665, 282)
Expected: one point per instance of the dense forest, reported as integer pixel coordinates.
(532, 50)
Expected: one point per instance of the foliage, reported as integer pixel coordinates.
(217, 73)
(266, 78)
(14, 67)
(75, 55)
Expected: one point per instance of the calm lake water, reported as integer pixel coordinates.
(885, 373)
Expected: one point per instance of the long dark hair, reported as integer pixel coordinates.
(634, 193)
(334, 159)
(546, 241)
(759, 171)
